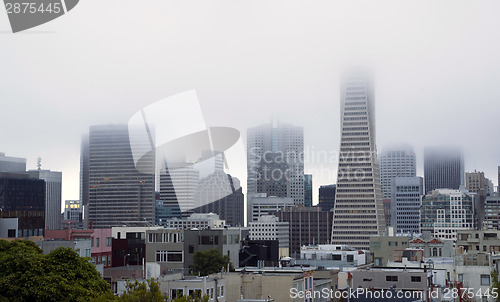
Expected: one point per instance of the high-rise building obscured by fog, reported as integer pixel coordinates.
(275, 161)
(405, 203)
(443, 168)
(397, 161)
(358, 211)
(113, 191)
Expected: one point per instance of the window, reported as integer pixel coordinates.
(391, 278)
(222, 291)
(92, 241)
(109, 241)
(416, 279)
(461, 277)
(109, 260)
(97, 242)
(118, 235)
(103, 260)
(350, 258)
(174, 293)
(337, 257)
(191, 249)
(434, 252)
(485, 279)
(169, 256)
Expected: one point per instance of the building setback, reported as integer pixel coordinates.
(443, 168)
(113, 191)
(358, 211)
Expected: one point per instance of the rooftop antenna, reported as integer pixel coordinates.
(39, 163)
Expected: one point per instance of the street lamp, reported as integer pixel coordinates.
(124, 257)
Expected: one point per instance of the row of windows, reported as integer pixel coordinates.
(169, 256)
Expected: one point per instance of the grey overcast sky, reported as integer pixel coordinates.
(436, 67)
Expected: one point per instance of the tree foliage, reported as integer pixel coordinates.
(26, 274)
(209, 262)
(495, 284)
(142, 292)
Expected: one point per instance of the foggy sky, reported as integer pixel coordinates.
(435, 64)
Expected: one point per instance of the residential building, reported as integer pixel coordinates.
(443, 168)
(446, 211)
(269, 227)
(198, 221)
(175, 286)
(275, 161)
(53, 192)
(327, 197)
(225, 240)
(82, 247)
(413, 281)
(129, 244)
(113, 190)
(308, 190)
(492, 213)
(397, 161)
(100, 242)
(478, 241)
(260, 204)
(165, 247)
(332, 256)
(433, 247)
(23, 198)
(277, 283)
(405, 203)
(308, 226)
(384, 246)
(358, 211)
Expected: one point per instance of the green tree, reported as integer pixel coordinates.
(495, 285)
(142, 292)
(26, 274)
(209, 262)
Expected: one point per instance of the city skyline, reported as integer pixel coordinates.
(434, 79)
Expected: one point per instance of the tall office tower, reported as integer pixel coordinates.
(231, 207)
(475, 182)
(275, 161)
(308, 226)
(23, 198)
(53, 192)
(113, 191)
(12, 164)
(358, 210)
(396, 162)
(492, 213)
(405, 203)
(327, 197)
(308, 190)
(443, 168)
(178, 186)
(446, 211)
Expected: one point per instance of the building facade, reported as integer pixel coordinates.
(443, 168)
(396, 162)
(405, 203)
(53, 192)
(444, 212)
(275, 161)
(308, 190)
(358, 211)
(268, 227)
(327, 197)
(492, 213)
(260, 204)
(12, 164)
(113, 190)
(308, 226)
